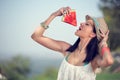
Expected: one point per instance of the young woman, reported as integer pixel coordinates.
(89, 52)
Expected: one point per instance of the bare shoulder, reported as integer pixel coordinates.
(64, 46)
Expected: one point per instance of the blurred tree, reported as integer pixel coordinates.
(49, 74)
(16, 68)
(2, 76)
(114, 66)
(111, 11)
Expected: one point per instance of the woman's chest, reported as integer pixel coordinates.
(76, 59)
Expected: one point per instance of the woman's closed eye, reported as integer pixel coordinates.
(87, 24)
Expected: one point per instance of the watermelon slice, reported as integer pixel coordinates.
(70, 18)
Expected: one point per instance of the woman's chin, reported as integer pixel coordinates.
(76, 33)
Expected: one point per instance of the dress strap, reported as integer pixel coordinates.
(67, 56)
(85, 63)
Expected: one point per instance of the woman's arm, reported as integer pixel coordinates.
(52, 44)
(105, 59)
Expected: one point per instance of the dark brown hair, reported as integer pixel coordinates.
(92, 48)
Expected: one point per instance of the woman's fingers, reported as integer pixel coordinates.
(62, 11)
(104, 35)
(107, 33)
(66, 10)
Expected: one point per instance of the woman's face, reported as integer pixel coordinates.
(86, 29)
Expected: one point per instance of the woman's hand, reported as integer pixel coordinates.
(62, 11)
(106, 57)
(104, 38)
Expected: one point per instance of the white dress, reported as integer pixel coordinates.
(68, 71)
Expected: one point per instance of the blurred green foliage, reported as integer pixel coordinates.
(114, 66)
(108, 76)
(49, 74)
(16, 68)
(111, 12)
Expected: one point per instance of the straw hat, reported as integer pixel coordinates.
(100, 25)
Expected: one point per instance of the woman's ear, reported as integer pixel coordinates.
(92, 35)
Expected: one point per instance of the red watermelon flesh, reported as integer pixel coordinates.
(70, 18)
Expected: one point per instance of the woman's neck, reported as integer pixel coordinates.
(83, 43)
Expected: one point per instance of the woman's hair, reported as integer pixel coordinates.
(92, 48)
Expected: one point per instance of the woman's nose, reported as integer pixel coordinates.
(81, 24)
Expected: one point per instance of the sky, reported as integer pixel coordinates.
(19, 19)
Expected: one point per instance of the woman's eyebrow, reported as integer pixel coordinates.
(90, 23)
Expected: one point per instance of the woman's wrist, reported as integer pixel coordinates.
(103, 47)
(103, 44)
